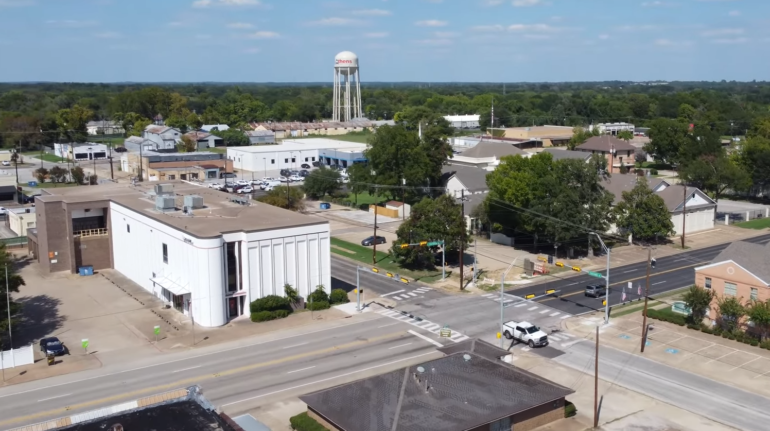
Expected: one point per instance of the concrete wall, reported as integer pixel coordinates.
(393, 213)
(20, 222)
(95, 251)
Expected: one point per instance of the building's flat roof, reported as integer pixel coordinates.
(219, 215)
(301, 145)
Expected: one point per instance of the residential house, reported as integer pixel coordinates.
(470, 388)
(261, 137)
(564, 154)
(741, 270)
(164, 138)
(209, 127)
(104, 127)
(549, 135)
(138, 144)
(486, 155)
(700, 209)
(205, 140)
(459, 177)
(618, 153)
(166, 166)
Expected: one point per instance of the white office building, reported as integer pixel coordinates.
(463, 121)
(291, 154)
(82, 151)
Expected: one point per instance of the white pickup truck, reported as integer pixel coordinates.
(525, 332)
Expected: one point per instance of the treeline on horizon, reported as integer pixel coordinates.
(728, 108)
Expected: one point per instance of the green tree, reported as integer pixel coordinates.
(580, 135)
(626, 135)
(643, 213)
(41, 174)
(754, 158)
(138, 127)
(177, 122)
(396, 154)
(78, 175)
(57, 174)
(278, 197)
(232, 137)
(716, 174)
(699, 301)
(430, 219)
(729, 310)
(321, 182)
(667, 137)
(187, 144)
(194, 121)
(759, 313)
(15, 281)
(72, 122)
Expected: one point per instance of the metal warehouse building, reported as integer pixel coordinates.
(291, 154)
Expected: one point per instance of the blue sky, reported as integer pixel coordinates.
(396, 40)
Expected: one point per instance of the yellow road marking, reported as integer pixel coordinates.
(189, 381)
(625, 281)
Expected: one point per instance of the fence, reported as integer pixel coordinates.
(15, 242)
(741, 216)
(17, 357)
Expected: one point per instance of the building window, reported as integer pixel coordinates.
(313, 159)
(306, 159)
(172, 177)
(165, 253)
(286, 160)
(272, 161)
(730, 289)
(708, 282)
(754, 293)
(128, 228)
(293, 159)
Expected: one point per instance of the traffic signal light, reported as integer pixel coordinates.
(423, 243)
(404, 245)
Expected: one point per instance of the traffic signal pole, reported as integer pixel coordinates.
(646, 295)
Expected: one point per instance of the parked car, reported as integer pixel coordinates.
(303, 173)
(215, 186)
(596, 290)
(304, 166)
(285, 172)
(295, 178)
(227, 175)
(283, 179)
(3, 211)
(120, 149)
(316, 164)
(245, 190)
(370, 240)
(525, 332)
(52, 346)
(267, 180)
(243, 183)
(270, 185)
(6, 163)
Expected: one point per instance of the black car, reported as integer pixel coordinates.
(120, 149)
(370, 240)
(304, 166)
(52, 346)
(285, 173)
(316, 164)
(303, 173)
(596, 290)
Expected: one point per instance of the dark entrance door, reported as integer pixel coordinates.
(232, 307)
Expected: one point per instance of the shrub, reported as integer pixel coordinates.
(754, 343)
(262, 316)
(653, 172)
(280, 314)
(706, 329)
(667, 316)
(569, 410)
(725, 334)
(303, 422)
(320, 305)
(765, 344)
(319, 294)
(339, 296)
(693, 326)
(271, 303)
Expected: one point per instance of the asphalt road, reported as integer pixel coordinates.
(722, 403)
(236, 378)
(671, 272)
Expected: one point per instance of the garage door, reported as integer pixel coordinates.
(700, 220)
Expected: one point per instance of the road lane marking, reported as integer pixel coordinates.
(301, 369)
(190, 368)
(432, 327)
(330, 378)
(389, 324)
(660, 282)
(179, 360)
(295, 345)
(192, 380)
(391, 293)
(417, 334)
(554, 314)
(544, 311)
(400, 345)
(630, 270)
(572, 284)
(53, 398)
(523, 304)
(566, 317)
(412, 294)
(532, 308)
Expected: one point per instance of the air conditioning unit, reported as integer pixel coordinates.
(164, 189)
(193, 201)
(164, 203)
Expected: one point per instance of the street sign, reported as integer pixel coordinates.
(434, 243)
(445, 332)
(84, 343)
(550, 259)
(157, 330)
(595, 274)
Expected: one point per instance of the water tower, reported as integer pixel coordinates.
(347, 88)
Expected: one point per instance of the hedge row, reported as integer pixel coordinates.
(303, 422)
(667, 315)
(264, 316)
(339, 296)
(271, 303)
(320, 305)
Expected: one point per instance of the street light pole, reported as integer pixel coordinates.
(606, 280)
(502, 297)
(8, 306)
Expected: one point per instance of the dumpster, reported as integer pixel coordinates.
(325, 205)
(86, 270)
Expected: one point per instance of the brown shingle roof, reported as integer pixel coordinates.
(492, 149)
(605, 143)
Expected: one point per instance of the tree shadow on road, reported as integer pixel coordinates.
(39, 318)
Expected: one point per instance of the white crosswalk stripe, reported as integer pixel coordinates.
(412, 294)
(520, 305)
(425, 325)
(544, 311)
(532, 308)
(432, 326)
(398, 297)
(564, 317)
(423, 290)
(554, 314)
(555, 337)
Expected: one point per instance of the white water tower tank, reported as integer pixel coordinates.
(344, 61)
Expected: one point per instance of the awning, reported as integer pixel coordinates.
(170, 285)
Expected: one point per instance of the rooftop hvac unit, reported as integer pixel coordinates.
(164, 203)
(164, 189)
(193, 201)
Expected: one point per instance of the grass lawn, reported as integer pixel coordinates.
(365, 199)
(52, 185)
(654, 165)
(360, 137)
(115, 141)
(363, 254)
(46, 157)
(760, 223)
(218, 150)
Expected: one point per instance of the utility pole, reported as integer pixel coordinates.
(403, 199)
(112, 173)
(596, 381)
(684, 213)
(462, 250)
(8, 305)
(374, 237)
(646, 295)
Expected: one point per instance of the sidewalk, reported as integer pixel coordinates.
(729, 362)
